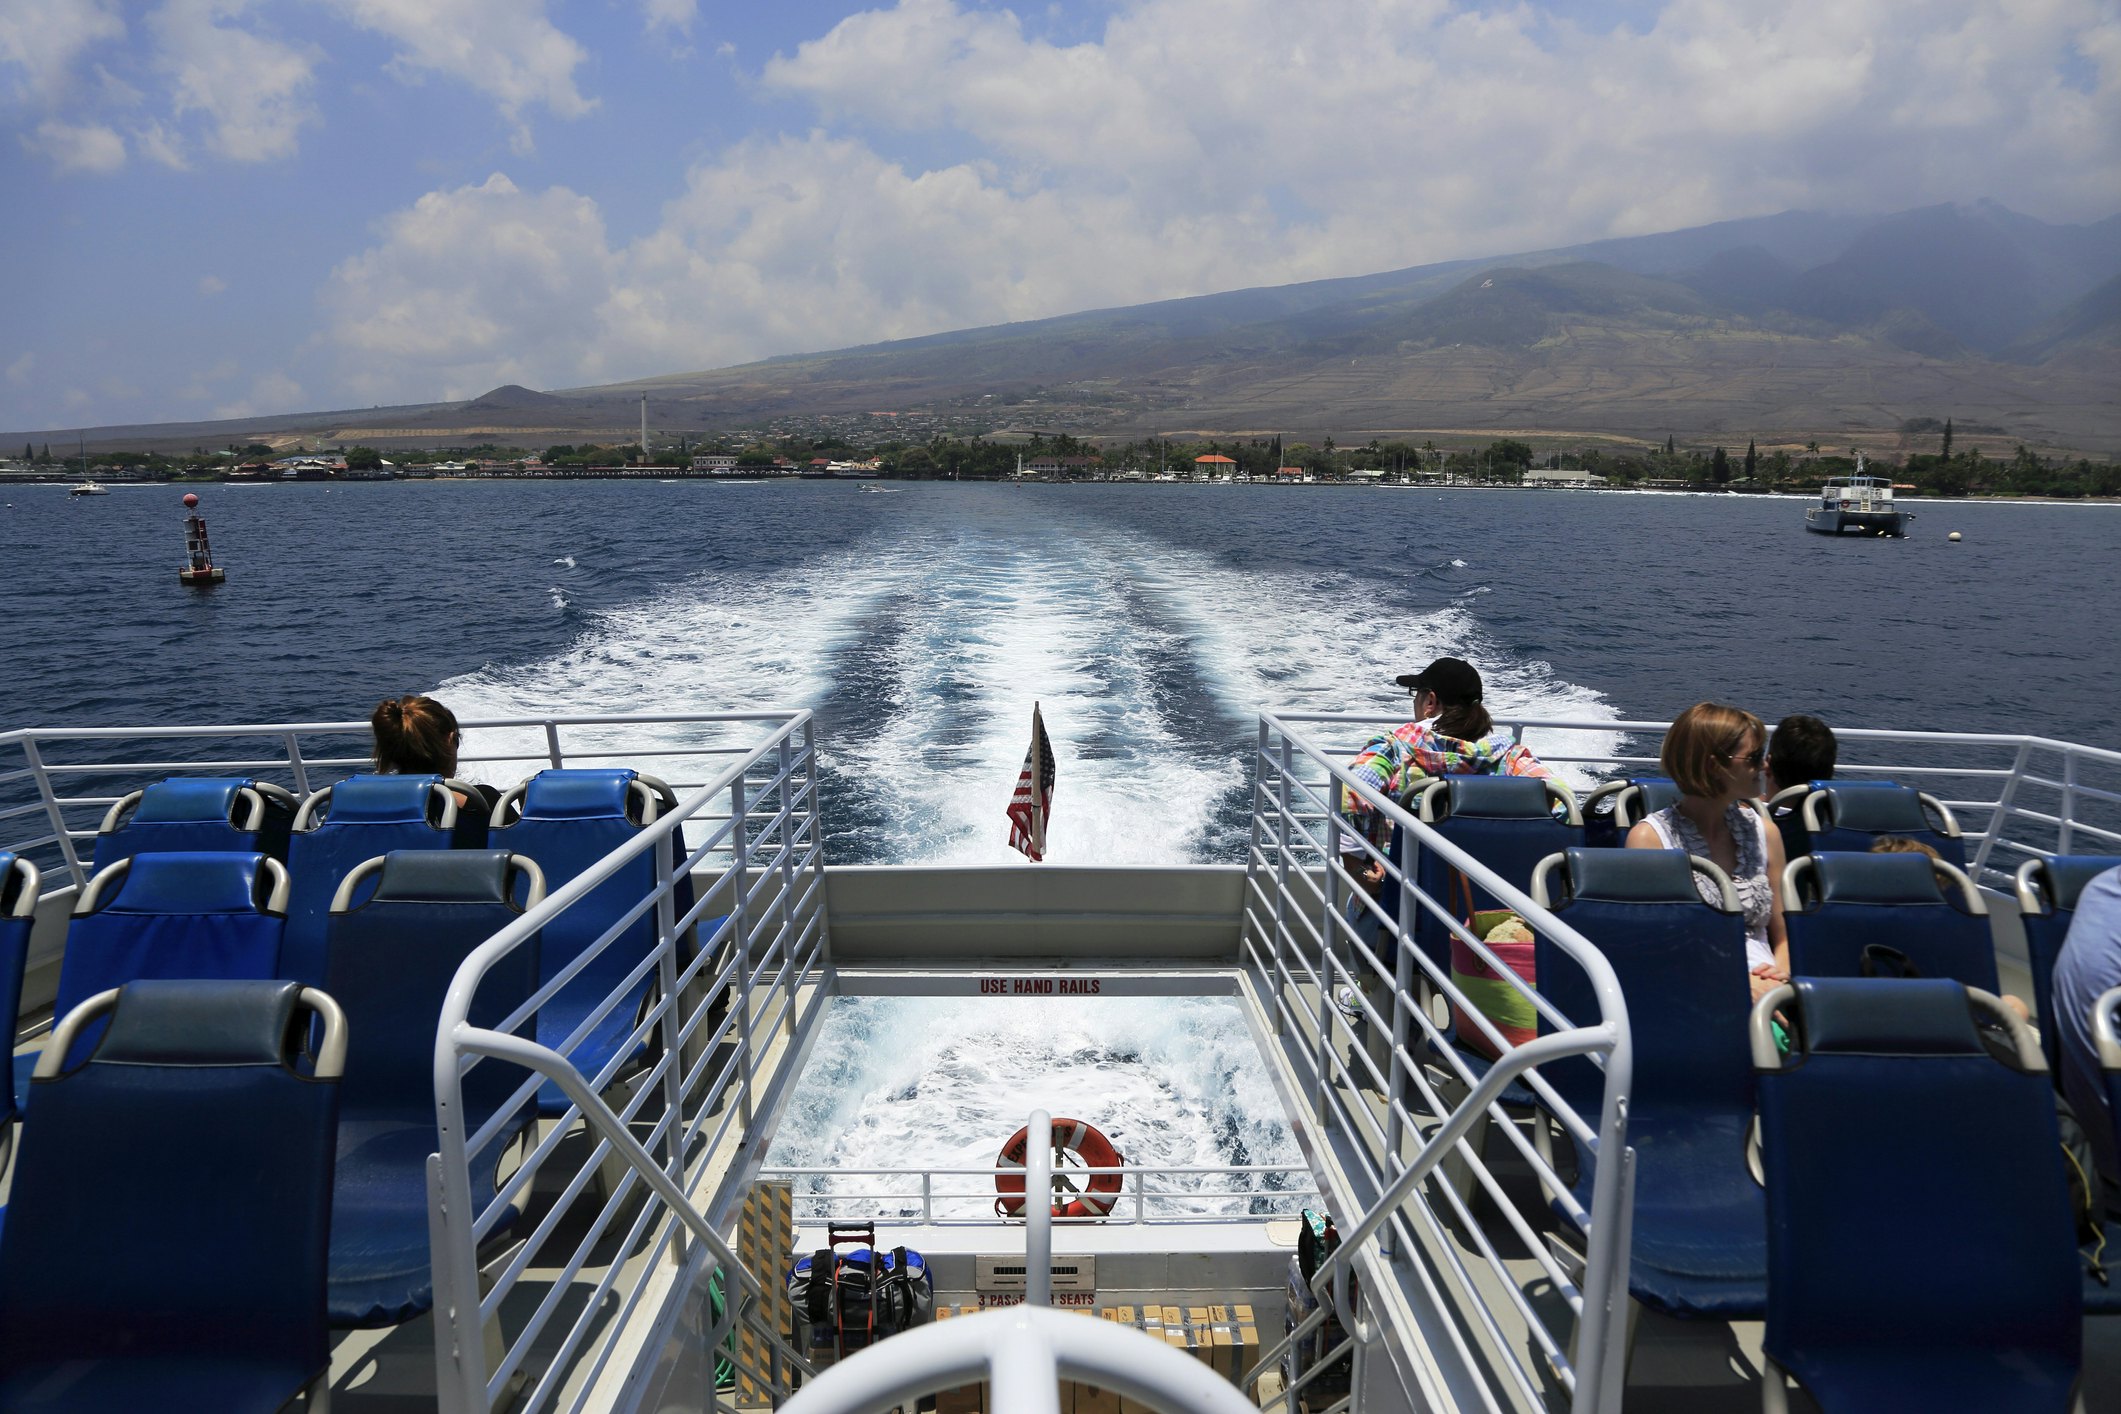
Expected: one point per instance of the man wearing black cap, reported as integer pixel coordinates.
(1451, 735)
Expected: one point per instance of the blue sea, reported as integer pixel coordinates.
(1149, 621)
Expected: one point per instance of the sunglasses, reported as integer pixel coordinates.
(1752, 760)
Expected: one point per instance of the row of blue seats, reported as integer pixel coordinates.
(1915, 1198)
(1839, 897)
(564, 820)
(402, 921)
(387, 969)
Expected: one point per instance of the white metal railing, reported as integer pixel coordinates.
(734, 977)
(56, 783)
(1392, 1120)
(1148, 1194)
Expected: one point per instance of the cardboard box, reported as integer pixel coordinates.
(765, 1239)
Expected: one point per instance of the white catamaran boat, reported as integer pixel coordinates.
(1564, 1219)
(1857, 505)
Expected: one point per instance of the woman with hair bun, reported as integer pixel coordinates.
(415, 736)
(1714, 753)
(418, 736)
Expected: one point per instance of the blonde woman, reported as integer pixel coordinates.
(1715, 753)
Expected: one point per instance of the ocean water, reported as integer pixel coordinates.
(1149, 621)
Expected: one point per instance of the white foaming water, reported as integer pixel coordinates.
(565, 562)
(922, 1082)
(942, 637)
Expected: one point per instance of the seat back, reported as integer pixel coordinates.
(1840, 817)
(173, 1199)
(1681, 964)
(174, 915)
(237, 815)
(1836, 905)
(1508, 823)
(1917, 1202)
(2047, 904)
(1618, 806)
(18, 906)
(341, 826)
(393, 950)
(567, 820)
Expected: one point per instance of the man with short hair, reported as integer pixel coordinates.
(1802, 749)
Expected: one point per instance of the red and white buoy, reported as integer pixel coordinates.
(199, 567)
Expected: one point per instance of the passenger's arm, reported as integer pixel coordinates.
(1777, 934)
(1643, 835)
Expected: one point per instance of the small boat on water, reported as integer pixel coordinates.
(1857, 505)
(88, 488)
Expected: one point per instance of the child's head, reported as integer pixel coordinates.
(1901, 844)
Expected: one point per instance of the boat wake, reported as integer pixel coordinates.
(920, 1082)
(923, 646)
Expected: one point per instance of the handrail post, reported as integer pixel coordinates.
(294, 764)
(460, 1336)
(54, 812)
(1038, 1212)
(740, 939)
(787, 872)
(552, 743)
(817, 840)
(673, 1049)
(2066, 837)
(1281, 877)
(2006, 800)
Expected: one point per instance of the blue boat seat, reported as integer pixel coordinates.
(567, 820)
(169, 1218)
(2047, 904)
(1699, 1239)
(18, 906)
(193, 814)
(359, 819)
(392, 954)
(1616, 807)
(1849, 816)
(173, 915)
(1838, 906)
(1920, 1246)
(1508, 823)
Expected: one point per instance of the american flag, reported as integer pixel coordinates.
(1034, 794)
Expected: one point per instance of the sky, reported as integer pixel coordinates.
(224, 208)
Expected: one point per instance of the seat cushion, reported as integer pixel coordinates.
(380, 1262)
(174, 1385)
(1700, 1227)
(1920, 1379)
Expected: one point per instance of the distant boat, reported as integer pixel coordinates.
(1857, 505)
(89, 488)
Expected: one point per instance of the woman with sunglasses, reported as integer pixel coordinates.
(1714, 753)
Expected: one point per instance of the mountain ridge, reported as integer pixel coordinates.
(1797, 324)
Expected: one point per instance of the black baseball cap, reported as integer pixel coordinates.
(1452, 679)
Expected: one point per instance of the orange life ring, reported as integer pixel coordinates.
(1099, 1190)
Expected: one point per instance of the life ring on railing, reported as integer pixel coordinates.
(1091, 1149)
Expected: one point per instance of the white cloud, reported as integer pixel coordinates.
(470, 288)
(506, 49)
(251, 89)
(211, 285)
(673, 15)
(41, 39)
(1199, 145)
(78, 147)
(18, 371)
